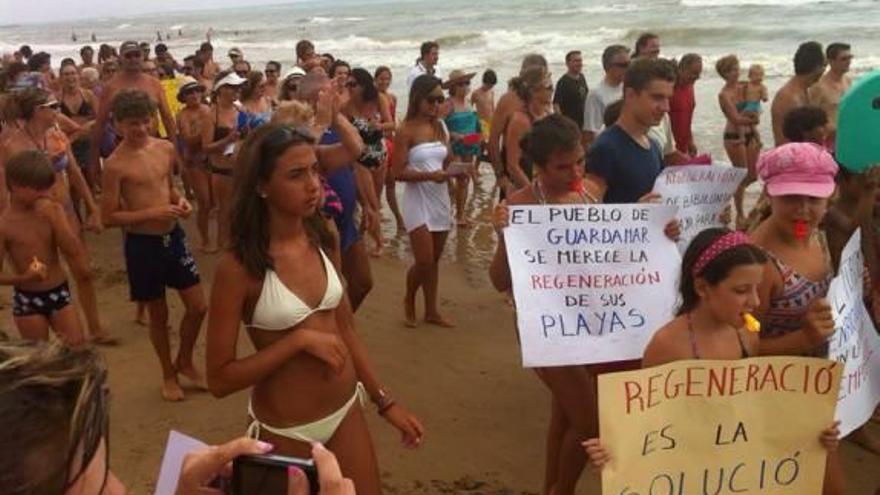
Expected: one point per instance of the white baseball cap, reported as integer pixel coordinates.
(231, 79)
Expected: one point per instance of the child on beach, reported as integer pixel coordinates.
(138, 195)
(33, 229)
(754, 91)
(483, 100)
(721, 277)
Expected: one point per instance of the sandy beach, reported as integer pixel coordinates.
(485, 415)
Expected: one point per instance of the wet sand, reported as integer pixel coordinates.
(485, 415)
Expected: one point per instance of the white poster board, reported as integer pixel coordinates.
(701, 192)
(855, 343)
(591, 282)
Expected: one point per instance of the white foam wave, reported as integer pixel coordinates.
(123, 26)
(597, 9)
(757, 3)
(177, 27)
(320, 20)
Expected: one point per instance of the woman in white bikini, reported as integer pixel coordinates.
(310, 372)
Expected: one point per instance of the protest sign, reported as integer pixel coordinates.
(718, 427)
(855, 342)
(591, 282)
(701, 192)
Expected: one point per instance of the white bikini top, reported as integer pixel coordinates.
(278, 308)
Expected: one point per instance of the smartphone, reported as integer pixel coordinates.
(267, 474)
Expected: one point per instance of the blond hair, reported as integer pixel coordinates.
(53, 415)
(294, 113)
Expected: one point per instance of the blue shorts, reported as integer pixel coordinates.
(154, 262)
(46, 302)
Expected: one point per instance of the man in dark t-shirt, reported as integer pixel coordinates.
(628, 168)
(571, 89)
(623, 161)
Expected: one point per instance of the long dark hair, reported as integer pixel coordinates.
(716, 270)
(249, 222)
(365, 81)
(548, 135)
(421, 88)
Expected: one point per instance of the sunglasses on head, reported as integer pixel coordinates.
(52, 105)
(286, 133)
(435, 100)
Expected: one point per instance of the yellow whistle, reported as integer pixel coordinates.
(752, 323)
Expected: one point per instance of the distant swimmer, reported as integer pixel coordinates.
(73, 37)
(158, 35)
(94, 38)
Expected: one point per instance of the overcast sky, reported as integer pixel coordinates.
(36, 11)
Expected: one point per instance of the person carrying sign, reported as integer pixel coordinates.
(553, 145)
(721, 276)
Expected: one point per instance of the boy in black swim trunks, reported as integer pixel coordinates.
(33, 229)
(139, 196)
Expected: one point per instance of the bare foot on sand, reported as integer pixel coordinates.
(409, 314)
(171, 390)
(439, 321)
(193, 376)
(103, 338)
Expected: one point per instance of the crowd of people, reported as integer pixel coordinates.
(284, 170)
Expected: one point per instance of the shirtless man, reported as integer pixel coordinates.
(483, 100)
(809, 63)
(826, 93)
(129, 77)
(33, 230)
(139, 196)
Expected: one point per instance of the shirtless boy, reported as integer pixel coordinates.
(139, 196)
(483, 99)
(129, 77)
(33, 229)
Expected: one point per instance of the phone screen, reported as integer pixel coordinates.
(267, 474)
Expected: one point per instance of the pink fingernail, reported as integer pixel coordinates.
(264, 446)
(294, 472)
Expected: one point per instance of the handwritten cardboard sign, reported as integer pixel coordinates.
(720, 427)
(591, 282)
(701, 192)
(855, 343)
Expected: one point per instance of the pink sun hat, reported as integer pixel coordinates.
(802, 169)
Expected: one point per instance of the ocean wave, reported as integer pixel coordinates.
(320, 20)
(754, 3)
(598, 9)
(123, 26)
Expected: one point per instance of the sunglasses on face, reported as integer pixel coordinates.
(621, 65)
(270, 71)
(241, 73)
(351, 84)
(464, 84)
(132, 55)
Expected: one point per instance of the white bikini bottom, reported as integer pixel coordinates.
(321, 430)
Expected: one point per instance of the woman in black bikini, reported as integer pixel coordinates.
(740, 135)
(79, 105)
(219, 142)
(369, 113)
